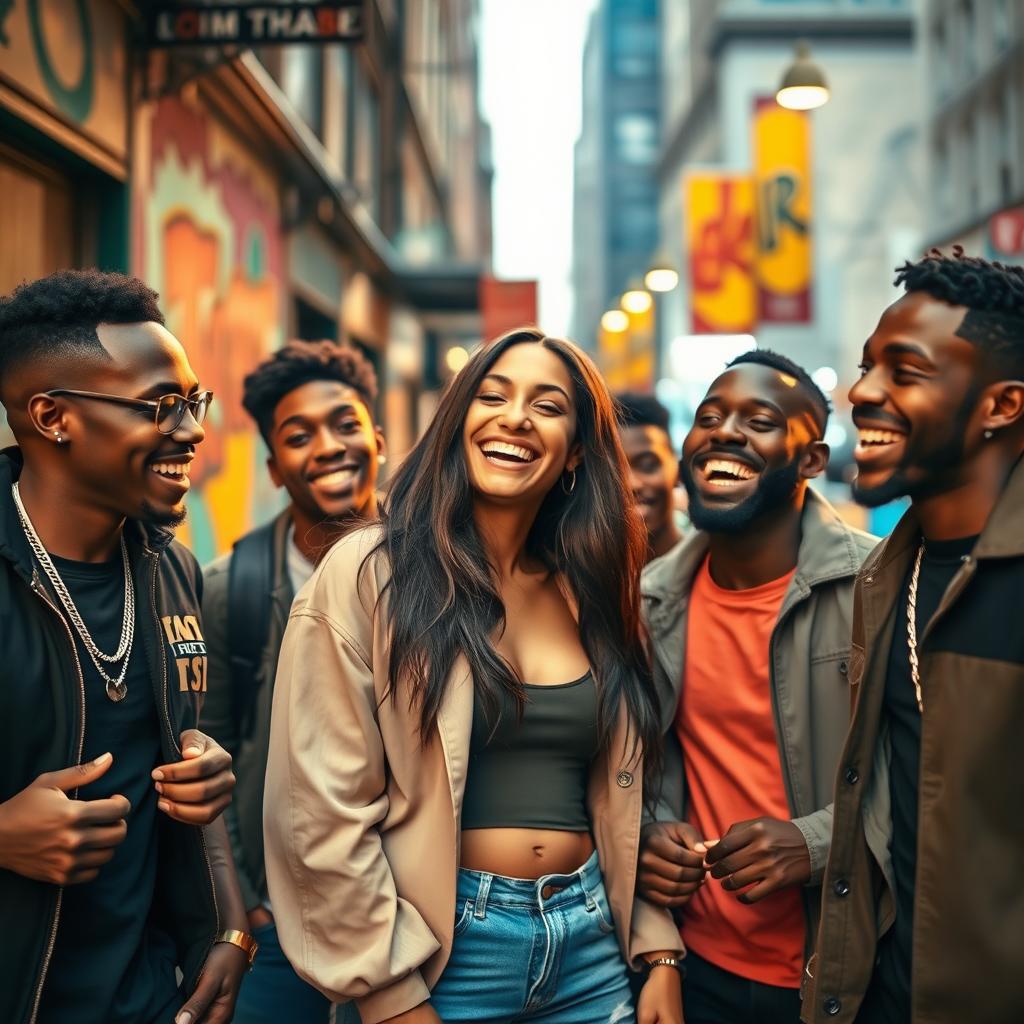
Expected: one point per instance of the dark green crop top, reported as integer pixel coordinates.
(532, 773)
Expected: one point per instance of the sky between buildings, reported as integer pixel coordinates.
(531, 65)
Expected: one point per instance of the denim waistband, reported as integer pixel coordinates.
(484, 888)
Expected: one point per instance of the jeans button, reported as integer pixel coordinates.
(852, 776)
(841, 887)
(624, 779)
(832, 1006)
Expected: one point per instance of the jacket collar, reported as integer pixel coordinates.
(14, 546)
(828, 551)
(1002, 536)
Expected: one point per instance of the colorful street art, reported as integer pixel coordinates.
(207, 237)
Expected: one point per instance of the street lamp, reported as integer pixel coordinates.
(636, 299)
(661, 276)
(803, 86)
(615, 321)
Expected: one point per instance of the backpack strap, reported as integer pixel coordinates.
(250, 605)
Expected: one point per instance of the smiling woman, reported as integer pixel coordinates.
(486, 639)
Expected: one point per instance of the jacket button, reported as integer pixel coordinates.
(832, 1006)
(843, 668)
(624, 779)
(852, 776)
(841, 887)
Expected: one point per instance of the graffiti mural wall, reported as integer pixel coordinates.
(207, 237)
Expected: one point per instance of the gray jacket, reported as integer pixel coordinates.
(244, 815)
(810, 648)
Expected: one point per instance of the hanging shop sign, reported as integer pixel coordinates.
(248, 24)
(782, 175)
(720, 242)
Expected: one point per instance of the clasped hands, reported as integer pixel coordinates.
(753, 859)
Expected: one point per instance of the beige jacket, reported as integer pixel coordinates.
(361, 820)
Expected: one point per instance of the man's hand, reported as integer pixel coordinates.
(196, 790)
(671, 863)
(661, 998)
(213, 1001)
(46, 836)
(767, 853)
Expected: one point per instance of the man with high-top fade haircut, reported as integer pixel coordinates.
(115, 873)
(923, 913)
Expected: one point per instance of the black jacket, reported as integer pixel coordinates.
(42, 728)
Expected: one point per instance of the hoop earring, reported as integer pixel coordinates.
(572, 482)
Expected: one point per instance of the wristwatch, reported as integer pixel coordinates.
(243, 940)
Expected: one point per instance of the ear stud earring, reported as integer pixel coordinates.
(381, 459)
(988, 435)
(60, 437)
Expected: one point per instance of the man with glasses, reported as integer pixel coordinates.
(114, 866)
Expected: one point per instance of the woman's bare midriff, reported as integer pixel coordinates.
(524, 852)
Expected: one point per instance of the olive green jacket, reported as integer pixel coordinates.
(810, 648)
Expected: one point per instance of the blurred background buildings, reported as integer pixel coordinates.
(290, 191)
(785, 226)
(344, 190)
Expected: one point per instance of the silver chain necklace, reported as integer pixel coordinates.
(116, 688)
(915, 668)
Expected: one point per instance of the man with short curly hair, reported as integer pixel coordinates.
(313, 405)
(115, 876)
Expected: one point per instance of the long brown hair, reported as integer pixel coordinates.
(442, 599)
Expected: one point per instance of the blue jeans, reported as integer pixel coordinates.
(272, 992)
(523, 952)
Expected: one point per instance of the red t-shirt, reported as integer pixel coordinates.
(726, 725)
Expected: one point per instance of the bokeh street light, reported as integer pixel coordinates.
(803, 85)
(661, 276)
(636, 299)
(456, 358)
(615, 321)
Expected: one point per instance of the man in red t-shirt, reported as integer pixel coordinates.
(750, 621)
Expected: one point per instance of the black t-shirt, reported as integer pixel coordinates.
(110, 964)
(888, 998)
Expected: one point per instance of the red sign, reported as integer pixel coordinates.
(1006, 234)
(506, 305)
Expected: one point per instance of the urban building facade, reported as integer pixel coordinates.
(615, 201)
(866, 208)
(315, 191)
(973, 69)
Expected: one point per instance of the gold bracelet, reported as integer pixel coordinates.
(243, 940)
(665, 961)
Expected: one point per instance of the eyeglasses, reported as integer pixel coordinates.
(168, 410)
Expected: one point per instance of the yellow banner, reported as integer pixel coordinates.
(782, 174)
(719, 210)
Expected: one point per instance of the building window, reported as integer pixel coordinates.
(634, 48)
(1002, 135)
(943, 180)
(940, 61)
(636, 138)
(302, 79)
(968, 40)
(1001, 24)
(366, 140)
